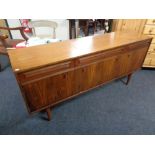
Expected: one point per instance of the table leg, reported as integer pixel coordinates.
(48, 110)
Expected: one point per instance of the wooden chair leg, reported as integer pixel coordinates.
(128, 79)
(48, 110)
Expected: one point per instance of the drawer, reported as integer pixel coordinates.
(150, 59)
(152, 48)
(147, 61)
(150, 55)
(45, 72)
(149, 29)
(105, 54)
(96, 57)
(152, 63)
(150, 21)
(153, 40)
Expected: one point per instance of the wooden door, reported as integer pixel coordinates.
(49, 90)
(95, 74)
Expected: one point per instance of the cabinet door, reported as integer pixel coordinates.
(50, 90)
(129, 61)
(138, 57)
(94, 74)
(103, 71)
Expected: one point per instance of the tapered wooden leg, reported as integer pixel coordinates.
(48, 110)
(128, 78)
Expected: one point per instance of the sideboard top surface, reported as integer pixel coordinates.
(29, 58)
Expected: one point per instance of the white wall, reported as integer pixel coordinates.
(62, 31)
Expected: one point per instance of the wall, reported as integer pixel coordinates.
(62, 31)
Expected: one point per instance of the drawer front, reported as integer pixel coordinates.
(151, 21)
(149, 29)
(44, 72)
(100, 56)
(152, 48)
(150, 55)
(150, 59)
(152, 63)
(147, 61)
(96, 57)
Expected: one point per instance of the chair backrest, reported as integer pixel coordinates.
(43, 23)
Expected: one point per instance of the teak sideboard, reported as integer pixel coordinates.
(49, 74)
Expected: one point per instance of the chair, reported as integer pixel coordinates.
(6, 42)
(43, 23)
(86, 24)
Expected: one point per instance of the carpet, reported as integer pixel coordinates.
(112, 109)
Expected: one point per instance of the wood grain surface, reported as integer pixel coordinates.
(53, 73)
(44, 55)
